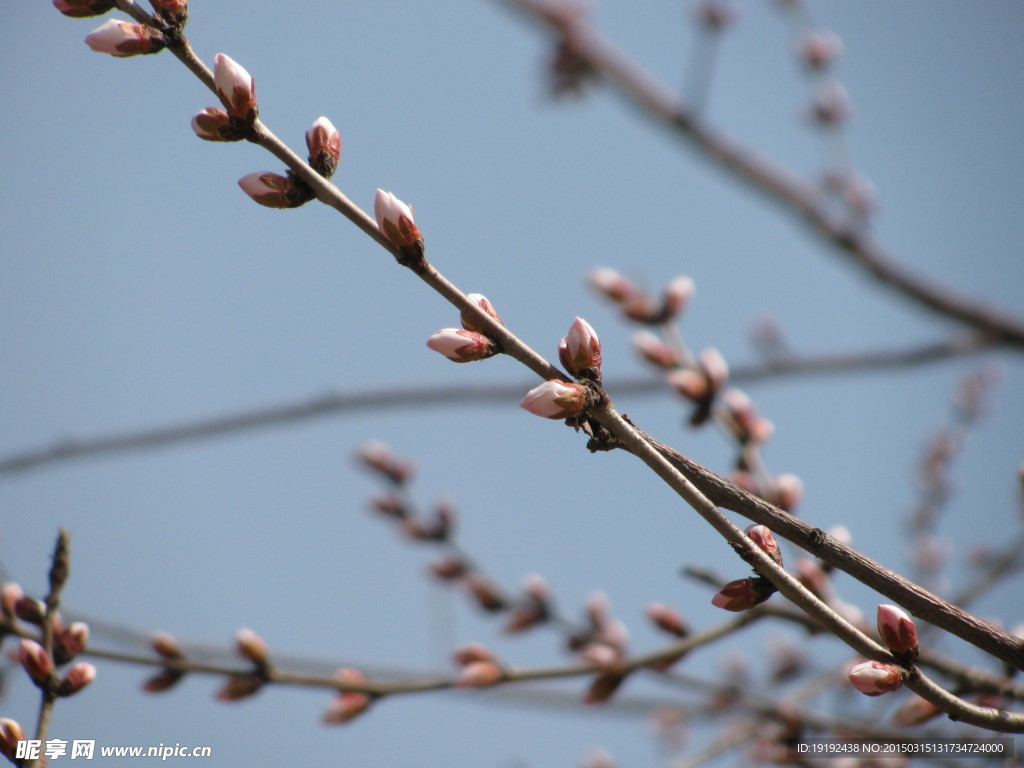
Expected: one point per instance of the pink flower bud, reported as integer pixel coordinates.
(746, 425)
(251, 646)
(765, 540)
(819, 49)
(349, 703)
(831, 105)
(689, 384)
(537, 588)
(603, 687)
(29, 609)
(10, 594)
(481, 301)
(873, 678)
(915, 711)
(678, 294)
(742, 594)
(165, 645)
(788, 491)
(35, 660)
(162, 681)
(239, 687)
(379, 457)
(479, 674)
(600, 656)
(79, 676)
(612, 285)
(555, 399)
(599, 610)
(395, 220)
(655, 351)
(448, 568)
(123, 38)
(10, 734)
(486, 593)
(667, 619)
(80, 9)
(714, 368)
(269, 189)
(472, 652)
(580, 350)
(212, 124)
(70, 641)
(324, 144)
(897, 631)
(462, 346)
(235, 88)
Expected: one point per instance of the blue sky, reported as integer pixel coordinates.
(141, 287)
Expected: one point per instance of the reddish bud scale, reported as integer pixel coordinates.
(612, 285)
(743, 594)
(214, 124)
(174, 11)
(762, 536)
(10, 594)
(79, 676)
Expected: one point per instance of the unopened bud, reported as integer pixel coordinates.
(472, 652)
(765, 540)
(479, 674)
(80, 9)
(251, 646)
(396, 221)
(742, 594)
(165, 645)
(10, 594)
(668, 619)
(124, 38)
(214, 124)
(462, 346)
(714, 368)
(380, 458)
(485, 592)
(603, 687)
(10, 734)
(481, 301)
(897, 631)
(716, 15)
(174, 11)
(274, 190)
(324, 144)
(873, 678)
(348, 704)
(678, 294)
(555, 399)
(580, 350)
(35, 661)
(76, 678)
(819, 49)
(162, 681)
(70, 641)
(913, 712)
(655, 351)
(787, 492)
(239, 687)
(235, 88)
(448, 568)
(612, 285)
(29, 609)
(831, 105)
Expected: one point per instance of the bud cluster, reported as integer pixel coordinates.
(579, 351)
(251, 647)
(636, 305)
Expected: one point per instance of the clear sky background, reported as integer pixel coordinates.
(141, 287)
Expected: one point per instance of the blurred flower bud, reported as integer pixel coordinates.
(580, 350)
(396, 221)
(76, 678)
(873, 678)
(235, 88)
(10, 594)
(29, 609)
(324, 144)
(80, 9)
(70, 642)
(448, 568)
(612, 285)
(534, 609)
(251, 646)
(599, 610)
(743, 594)
(787, 492)
(667, 619)
(819, 48)
(655, 351)
(643, 309)
(162, 681)
(462, 346)
(765, 540)
(166, 646)
(378, 457)
(537, 588)
(471, 652)
(714, 368)
(678, 294)
(814, 579)
(831, 105)
(479, 674)
(485, 592)
(688, 383)
(238, 687)
(348, 704)
(35, 661)
(10, 734)
(555, 399)
(745, 424)
(390, 505)
(914, 711)
(481, 301)
(124, 38)
(897, 631)
(603, 687)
